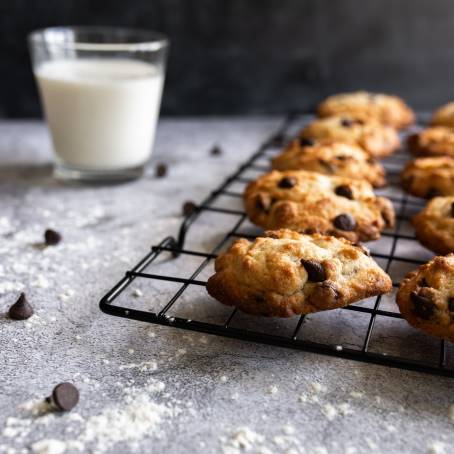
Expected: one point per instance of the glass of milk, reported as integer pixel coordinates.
(101, 91)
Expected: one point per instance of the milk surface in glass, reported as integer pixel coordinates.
(102, 113)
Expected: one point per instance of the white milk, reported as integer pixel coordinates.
(102, 113)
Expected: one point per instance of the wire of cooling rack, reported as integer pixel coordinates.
(176, 246)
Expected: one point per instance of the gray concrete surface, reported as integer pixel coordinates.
(291, 402)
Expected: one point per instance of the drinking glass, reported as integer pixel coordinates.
(101, 90)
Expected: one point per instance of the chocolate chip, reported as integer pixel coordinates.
(451, 304)
(51, 237)
(422, 305)
(310, 231)
(432, 192)
(65, 396)
(263, 201)
(344, 222)
(329, 289)
(344, 191)
(315, 271)
(305, 142)
(189, 208)
(346, 122)
(216, 151)
(452, 209)
(21, 309)
(161, 170)
(342, 157)
(287, 182)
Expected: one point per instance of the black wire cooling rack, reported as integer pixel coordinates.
(371, 331)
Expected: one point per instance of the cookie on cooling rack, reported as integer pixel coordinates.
(387, 109)
(314, 203)
(331, 158)
(429, 177)
(433, 141)
(376, 139)
(434, 225)
(426, 297)
(444, 116)
(285, 273)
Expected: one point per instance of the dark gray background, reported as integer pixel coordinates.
(267, 56)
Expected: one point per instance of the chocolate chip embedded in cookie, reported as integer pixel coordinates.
(310, 202)
(434, 225)
(386, 109)
(429, 177)
(375, 138)
(331, 158)
(285, 273)
(426, 297)
(433, 141)
(444, 116)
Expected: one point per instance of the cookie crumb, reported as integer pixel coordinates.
(223, 379)
(329, 411)
(49, 446)
(137, 293)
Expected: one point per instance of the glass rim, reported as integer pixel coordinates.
(152, 41)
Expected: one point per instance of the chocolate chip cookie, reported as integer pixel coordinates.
(387, 109)
(331, 158)
(429, 177)
(433, 141)
(444, 116)
(285, 273)
(310, 202)
(434, 225)
(426, 297)
(376, 139)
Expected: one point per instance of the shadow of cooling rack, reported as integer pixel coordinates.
(371, 331)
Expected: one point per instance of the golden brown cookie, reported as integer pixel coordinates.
(444, 116)
(434, 225)
(433, 141)
(286, 273)
(331, 158)
(376, 139)
(426, 297)
(314, 203)
(429, 177)
(387, 109)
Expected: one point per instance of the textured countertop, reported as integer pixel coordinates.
(146, 388)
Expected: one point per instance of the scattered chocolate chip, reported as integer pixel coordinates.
(346, 122)
(216, 151)
(51, 237)
(305, 142)
(422, 305)
(21, 309)
(342, 157)
(344, 191)
(344, 222)
(452, 209)
(432, 192)
(161, 170)
(287, 182)
(263, 201)
(310, 231)
(278, 140)
(315, 270)
(371, 160)
(189, 208)
(65, 396)
(451, 304)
